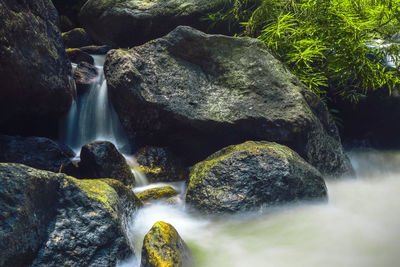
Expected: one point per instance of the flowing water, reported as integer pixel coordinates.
(359, 226)
(92, 116)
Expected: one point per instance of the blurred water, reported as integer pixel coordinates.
(358, 227)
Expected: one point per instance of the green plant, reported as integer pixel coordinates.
(324, 42)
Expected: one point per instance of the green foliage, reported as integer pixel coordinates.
(324, 42)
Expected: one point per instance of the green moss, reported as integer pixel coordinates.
(241, 151)
(97, 190)
(157, 193)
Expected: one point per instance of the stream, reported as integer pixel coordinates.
(358, 226)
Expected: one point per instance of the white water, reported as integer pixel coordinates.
(358, 227)
(92, 116)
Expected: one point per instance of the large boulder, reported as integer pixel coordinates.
(50, 219)
(252, 175)
(38, 152)
(34, 68)
(196, 93)
(101, 159)
(125, 23)
(162, 246)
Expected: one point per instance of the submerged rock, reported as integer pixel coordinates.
(162, 246)
(76, 38)
(34, 67)
(101, 159)
(85, 75)
(50, 219)
(157, 193)
(77, 56)
(196, 93)
(126, 23)
(160, 165)
(251, 175)
(38, 152)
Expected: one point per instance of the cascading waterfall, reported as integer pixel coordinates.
(92, 117)
(357, 227)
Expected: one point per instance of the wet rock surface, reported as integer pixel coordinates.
(85, 75)
(51, 219)
(126, 23)
(38, 152)
(101, 159)
(77, 56)
(160, 165)
(34, 67)
(162, 246)
(251, 175)
(76, 38)
(157, 193)
(196, 93)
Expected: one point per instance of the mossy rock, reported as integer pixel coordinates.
(76, 38)
(252, 175)
(162, 246)
(71, 222)
(157, 193)
(77, 56)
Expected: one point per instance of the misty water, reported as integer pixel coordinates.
(358, 226)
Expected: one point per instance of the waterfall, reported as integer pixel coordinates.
(92, 117)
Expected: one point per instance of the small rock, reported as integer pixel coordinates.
(85, 75)
(162, 246)
(157, 193)
(101, 159)
(76, 38)
(96, 50)
(77, 56)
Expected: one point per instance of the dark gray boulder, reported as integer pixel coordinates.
(38, 152)
(76, 38)
(34, 68)
(76, 56)
(50, 219)
(125, 23)
(196, 93)
(163, 246)
(160, 165)
(101, 159)
(85, 76)
(251, 175)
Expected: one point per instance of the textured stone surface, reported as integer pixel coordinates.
(157, 193)
(76, 38)
(85, 75)
(252, 175)
(38, 152)
(50, 219)
(125, 23)
(196, 93)
(76, 56)
(34, 68)
(101, 159)
(160, 165)
(162, 246)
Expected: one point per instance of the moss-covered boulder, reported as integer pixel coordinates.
(252, 175)
(160, 165)
(35, 89)
(162, 246)
(125, 23)
(76, 38)
(157, 193)
(50, 219)
(38, 152)
(101, 159)
(76, 56)
(196, 93)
